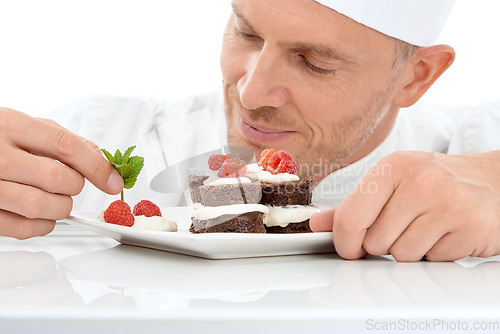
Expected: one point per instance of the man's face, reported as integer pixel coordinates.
(302, 78)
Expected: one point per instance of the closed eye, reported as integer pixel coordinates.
(243, 35)
(316, 69)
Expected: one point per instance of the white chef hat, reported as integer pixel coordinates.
(417, 22)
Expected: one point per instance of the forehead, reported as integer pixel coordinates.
(308, 22)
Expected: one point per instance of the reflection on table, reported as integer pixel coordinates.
(81, 282)
(133, 277)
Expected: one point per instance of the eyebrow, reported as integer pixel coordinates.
(322, 50)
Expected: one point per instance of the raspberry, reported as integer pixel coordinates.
(119, 213)
(232, 168)
(146, 208)
(282, 162)
(265, 156)
(216, 160)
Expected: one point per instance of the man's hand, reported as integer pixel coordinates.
(416, 204)
(41, 166)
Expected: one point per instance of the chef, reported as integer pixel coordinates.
(328, 81)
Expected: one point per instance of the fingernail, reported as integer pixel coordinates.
(115, 182)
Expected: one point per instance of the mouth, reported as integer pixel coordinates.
(263, 134)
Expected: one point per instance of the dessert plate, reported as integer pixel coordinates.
(208, 245)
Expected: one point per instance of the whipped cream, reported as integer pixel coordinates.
(284, 215)
(265, 176)
(253, 171)
(229, 180)
(201, 212)
(155, 223)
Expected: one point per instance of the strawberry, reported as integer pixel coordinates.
(265, 156)
(282, 162)
(216, 160)
(119, 213)
(146, 208)
(232, 168)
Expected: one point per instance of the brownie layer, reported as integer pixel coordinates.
(227, 194)
(195, 182)
(302, 227)
(287, 193)
(251, 222)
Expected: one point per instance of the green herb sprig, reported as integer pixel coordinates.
(128, 167)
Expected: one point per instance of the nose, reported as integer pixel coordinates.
(264, 82)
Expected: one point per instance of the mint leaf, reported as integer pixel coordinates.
(108, 155)
(118, 157)
(137, 163)
(127, 153)
(129, 182)
(124, 170)
(128, 167)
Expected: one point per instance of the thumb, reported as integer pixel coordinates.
(322, 221)
(115, 180)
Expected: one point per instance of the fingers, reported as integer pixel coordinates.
(40, 172)
(359, 211)
(32, 202)
(323, 221)
(420, 236)
(415, 204)
(456, 245)
(41, 166)
(448, 248)
(396, 216)
(56, 142)
(19, 227)
(91, 144)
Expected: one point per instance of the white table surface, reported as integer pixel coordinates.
(76, 281)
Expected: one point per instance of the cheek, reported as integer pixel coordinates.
(329, 114)
(320, 108)
(232, 61)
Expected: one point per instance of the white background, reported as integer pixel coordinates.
(54, 51)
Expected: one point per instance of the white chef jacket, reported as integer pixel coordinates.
(176, 139)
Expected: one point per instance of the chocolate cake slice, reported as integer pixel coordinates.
(287, 193)
(291, 195)
(262, 197)
(210, 198)
(195, 182)
(302, 227)
(250, 222)
(227, 194)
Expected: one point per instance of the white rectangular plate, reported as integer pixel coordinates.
(208, 245)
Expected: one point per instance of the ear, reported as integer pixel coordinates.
(421, 71)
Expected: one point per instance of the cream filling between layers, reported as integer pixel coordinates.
(273, 215)
(202, 212)
(229, 180)
(284, 215)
